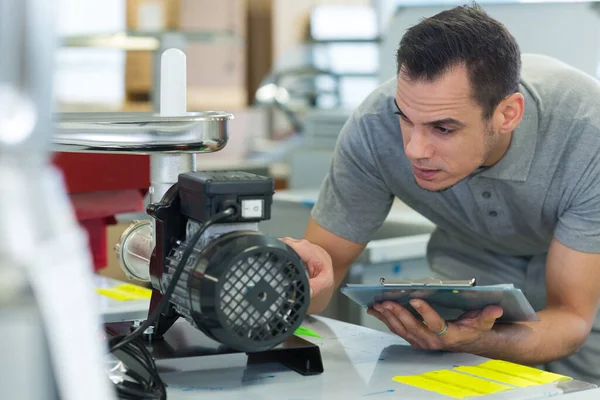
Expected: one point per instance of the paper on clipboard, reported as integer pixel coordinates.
(450, 301)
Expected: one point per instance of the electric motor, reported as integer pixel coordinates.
(241, 288)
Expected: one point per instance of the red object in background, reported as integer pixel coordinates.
(101, 186)
(87, 172)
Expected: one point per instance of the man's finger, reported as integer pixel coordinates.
(319, 283)
(376, 314)
(397, 326)
(394, 323)
(312, 255)
(416, 333)
(489, 315)
(317, 262)
(308, 252)
(385, 321)
(380, 317)
(300, 246)
(434, 322)
(412, 324)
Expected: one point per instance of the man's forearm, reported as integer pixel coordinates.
(558, 333)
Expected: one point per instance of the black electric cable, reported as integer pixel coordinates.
(154, 387)
(140, 387)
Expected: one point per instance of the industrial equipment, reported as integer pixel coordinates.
(243, 289)
(238, 290)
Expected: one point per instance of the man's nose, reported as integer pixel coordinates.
(418, 145)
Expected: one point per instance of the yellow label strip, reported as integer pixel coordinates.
(126, 292)
(522, 373)
(135, 290)
(421, 382)
(496, 376)
(453, 384)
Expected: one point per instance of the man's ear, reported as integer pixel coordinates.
(509, 113)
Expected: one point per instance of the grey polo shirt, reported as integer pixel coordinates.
(497, 221)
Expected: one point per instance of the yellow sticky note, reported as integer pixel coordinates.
(496, 376)
(435, 386)
(534, 375)
(126, 292)
(453, 384)
(135, 290)
(115, 294)
(479, 385)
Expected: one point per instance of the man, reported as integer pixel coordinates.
(502, 153)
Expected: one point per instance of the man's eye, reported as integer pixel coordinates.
(401, 115)
(444, 131)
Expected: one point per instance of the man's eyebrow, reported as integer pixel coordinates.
(443, 121)
(446, 121)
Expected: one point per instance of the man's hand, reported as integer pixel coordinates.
(318, 263)
(433, 333)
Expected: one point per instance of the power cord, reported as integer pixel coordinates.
(139, 386)
(153, 387)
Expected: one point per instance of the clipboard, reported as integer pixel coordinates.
(450, 298)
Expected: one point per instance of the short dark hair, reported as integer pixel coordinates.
(464, 35)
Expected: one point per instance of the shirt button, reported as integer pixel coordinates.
(493, 214)
(486, 195)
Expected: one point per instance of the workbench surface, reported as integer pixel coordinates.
(359, 363)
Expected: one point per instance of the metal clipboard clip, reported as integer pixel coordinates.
(429, 282)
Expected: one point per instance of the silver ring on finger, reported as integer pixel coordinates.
(444, 330)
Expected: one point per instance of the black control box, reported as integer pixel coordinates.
(205, 193)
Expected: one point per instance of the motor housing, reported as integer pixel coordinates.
(241, 288)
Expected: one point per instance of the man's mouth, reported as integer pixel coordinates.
(425, 174)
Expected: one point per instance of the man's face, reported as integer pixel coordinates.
(444, 133)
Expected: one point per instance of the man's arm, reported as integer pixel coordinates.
(573, 295)
(354, 198)
(327, 257)
(342, 252)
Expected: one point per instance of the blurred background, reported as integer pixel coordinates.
(291, 72)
